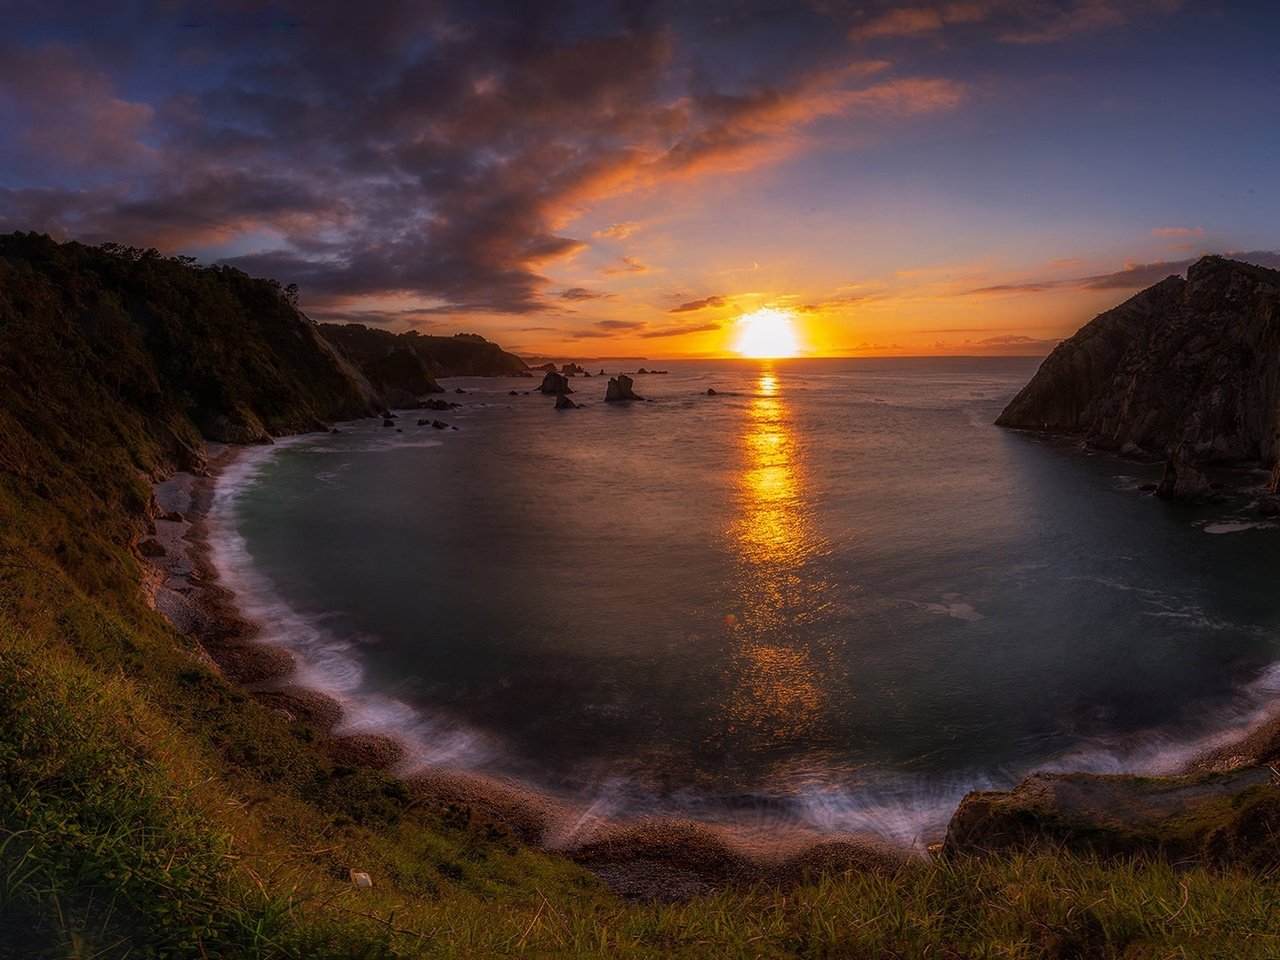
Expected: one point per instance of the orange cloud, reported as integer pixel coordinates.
(1178, 232)
(629, 265)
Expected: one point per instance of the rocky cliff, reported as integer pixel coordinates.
(1194, 361)
(405, 365)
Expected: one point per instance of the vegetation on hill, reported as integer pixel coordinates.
(405, 365)
(148, 808)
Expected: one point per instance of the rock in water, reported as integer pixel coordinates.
(1181, 480)
(564, 403)
(712, 392)
(620, 389)
(555, 383)
(1194, 361)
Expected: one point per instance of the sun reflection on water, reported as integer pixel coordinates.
(776, 690)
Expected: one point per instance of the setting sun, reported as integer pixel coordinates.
(766, 333)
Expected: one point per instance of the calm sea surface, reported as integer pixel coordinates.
(834, 592)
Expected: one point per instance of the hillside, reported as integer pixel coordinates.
(150, 808)
(1193, 361)
(405, 365)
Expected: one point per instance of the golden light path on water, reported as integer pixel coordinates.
(776, 694)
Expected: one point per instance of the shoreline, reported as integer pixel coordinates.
(668, 858)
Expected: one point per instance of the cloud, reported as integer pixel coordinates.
(691, 305)
(627, 265)
(64, 115)
(617, 231)
(1132, 276)
(1175, 232)
(582, 293)
(682, 331)
(1009, 21)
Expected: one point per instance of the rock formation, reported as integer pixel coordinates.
(1210, 818)
(1194, 361)
(619, 389)
(564, 403)
(1181, 479)
(555, 383)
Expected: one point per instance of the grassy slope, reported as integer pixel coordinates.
(147, 808)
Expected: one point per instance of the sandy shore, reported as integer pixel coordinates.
(668, 859)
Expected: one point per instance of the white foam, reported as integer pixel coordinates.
(1237, 526)
(325, 662)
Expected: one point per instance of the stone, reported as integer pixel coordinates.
(1206, 818)
(564, 403)
(619, 389)
(1269, 506)
(555, 383)
(388, 422)
(361, 879)
(1148, 487)
(1181, 480)
(513, 393)
(152, 548)
(458, 390)
(712, 392)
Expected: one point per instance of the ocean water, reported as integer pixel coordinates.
(833, 595)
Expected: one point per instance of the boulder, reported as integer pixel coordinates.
(458, 390)
(619, 389)
(388, 422)
(570, 369)
(555, 383)
(513, 393)
(1181, 480)
(564, 403)
(712, 392)
(1208, 818)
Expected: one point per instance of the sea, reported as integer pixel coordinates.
(832, 595)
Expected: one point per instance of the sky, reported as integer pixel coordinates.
(629, 178)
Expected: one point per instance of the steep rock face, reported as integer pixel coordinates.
(404, 366)
(1193, 361)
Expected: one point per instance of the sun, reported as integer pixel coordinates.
(766, 334)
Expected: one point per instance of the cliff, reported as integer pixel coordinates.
(110, 350)
(405, 365)
(1194, 361)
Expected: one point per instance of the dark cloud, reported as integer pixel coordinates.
(691, 305)
(401, 148)
(582, 293)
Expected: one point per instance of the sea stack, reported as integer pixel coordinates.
(1194, 362)
(619, 389)
(555, 383)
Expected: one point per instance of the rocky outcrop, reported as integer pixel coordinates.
(555, 383)
(572, 370)
(564, 403)
(1181, 479)
(404, 366)
(1194, 361)
(1223, 818)
(619, 389)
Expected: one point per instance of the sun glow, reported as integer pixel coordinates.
(766, 334)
